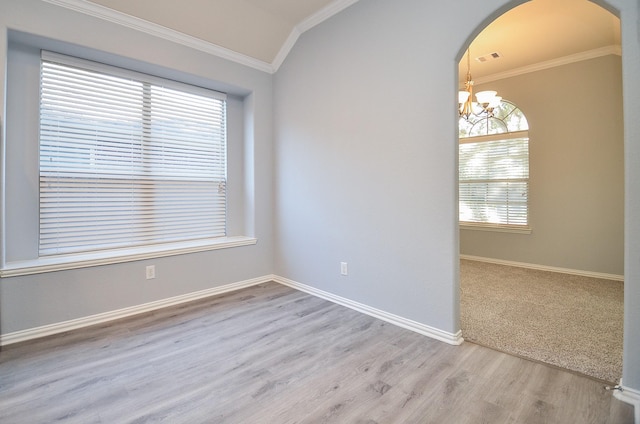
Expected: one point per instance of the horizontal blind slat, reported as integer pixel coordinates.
(494, 181)
(125, 161)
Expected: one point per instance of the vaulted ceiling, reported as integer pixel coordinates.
(256, 28)
(539, 31)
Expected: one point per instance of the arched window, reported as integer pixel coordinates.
(494, 169)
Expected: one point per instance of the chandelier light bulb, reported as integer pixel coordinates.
(495, 102)
(486, 97)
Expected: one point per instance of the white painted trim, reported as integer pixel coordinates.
(496, 228)
(160, 31)
(286, 49)
(61, 327)
(320, 16)
(75, 324)
(630, 396)
(66, 262)
(599, 275)
(577, 57)
(425, 330)
(323, 14)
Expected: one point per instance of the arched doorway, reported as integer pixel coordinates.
(565, 144)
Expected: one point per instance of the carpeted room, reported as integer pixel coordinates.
(561, 299)
(570, 321)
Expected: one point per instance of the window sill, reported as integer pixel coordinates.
(495, 228)
(66, 262)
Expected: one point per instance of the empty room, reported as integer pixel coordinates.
(234, 212)
(546, 196)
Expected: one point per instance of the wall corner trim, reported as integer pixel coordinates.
(630, 396)
(434, 333)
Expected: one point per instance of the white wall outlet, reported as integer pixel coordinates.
(151, 272)
(344, 269)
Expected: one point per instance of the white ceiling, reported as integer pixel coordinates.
(535, 32)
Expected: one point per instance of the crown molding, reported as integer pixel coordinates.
(323, 14)
(320, 16)
(160, 31)
(578, 57)
(286, 48)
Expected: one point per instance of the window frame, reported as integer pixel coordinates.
(513, 132)
(22, 213)
(113, 147)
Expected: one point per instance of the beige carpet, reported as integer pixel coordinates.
(564, 320)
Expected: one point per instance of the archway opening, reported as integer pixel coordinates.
(576, 185)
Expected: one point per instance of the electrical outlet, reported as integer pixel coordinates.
(151, 272)
(344, 269)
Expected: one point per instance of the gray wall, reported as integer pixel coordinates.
(366, 162)
(629, 13)
(576, 161)
(36, 300)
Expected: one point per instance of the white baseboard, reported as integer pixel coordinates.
(74, 324)
(425, 330)
(627, 395)
(599, 275)
(630, 396)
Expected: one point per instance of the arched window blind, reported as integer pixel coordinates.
(127, 159)
(494, 169)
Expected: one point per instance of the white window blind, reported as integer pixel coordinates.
(494, 181)
(127, 159)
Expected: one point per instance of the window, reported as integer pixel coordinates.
(494, 170)
(127, 159)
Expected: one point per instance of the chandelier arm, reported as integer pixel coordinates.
(466, 109)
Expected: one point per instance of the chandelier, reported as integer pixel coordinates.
(486, 100)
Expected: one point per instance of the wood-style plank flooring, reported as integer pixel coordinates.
(271, 354)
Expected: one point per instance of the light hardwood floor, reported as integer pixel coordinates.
(271, 354)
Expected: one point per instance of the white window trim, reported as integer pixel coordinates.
(481, 226)
(494, 227)
(115, 256)
(494, 137)
(487, 226)
(24, 261)
(80, 239)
